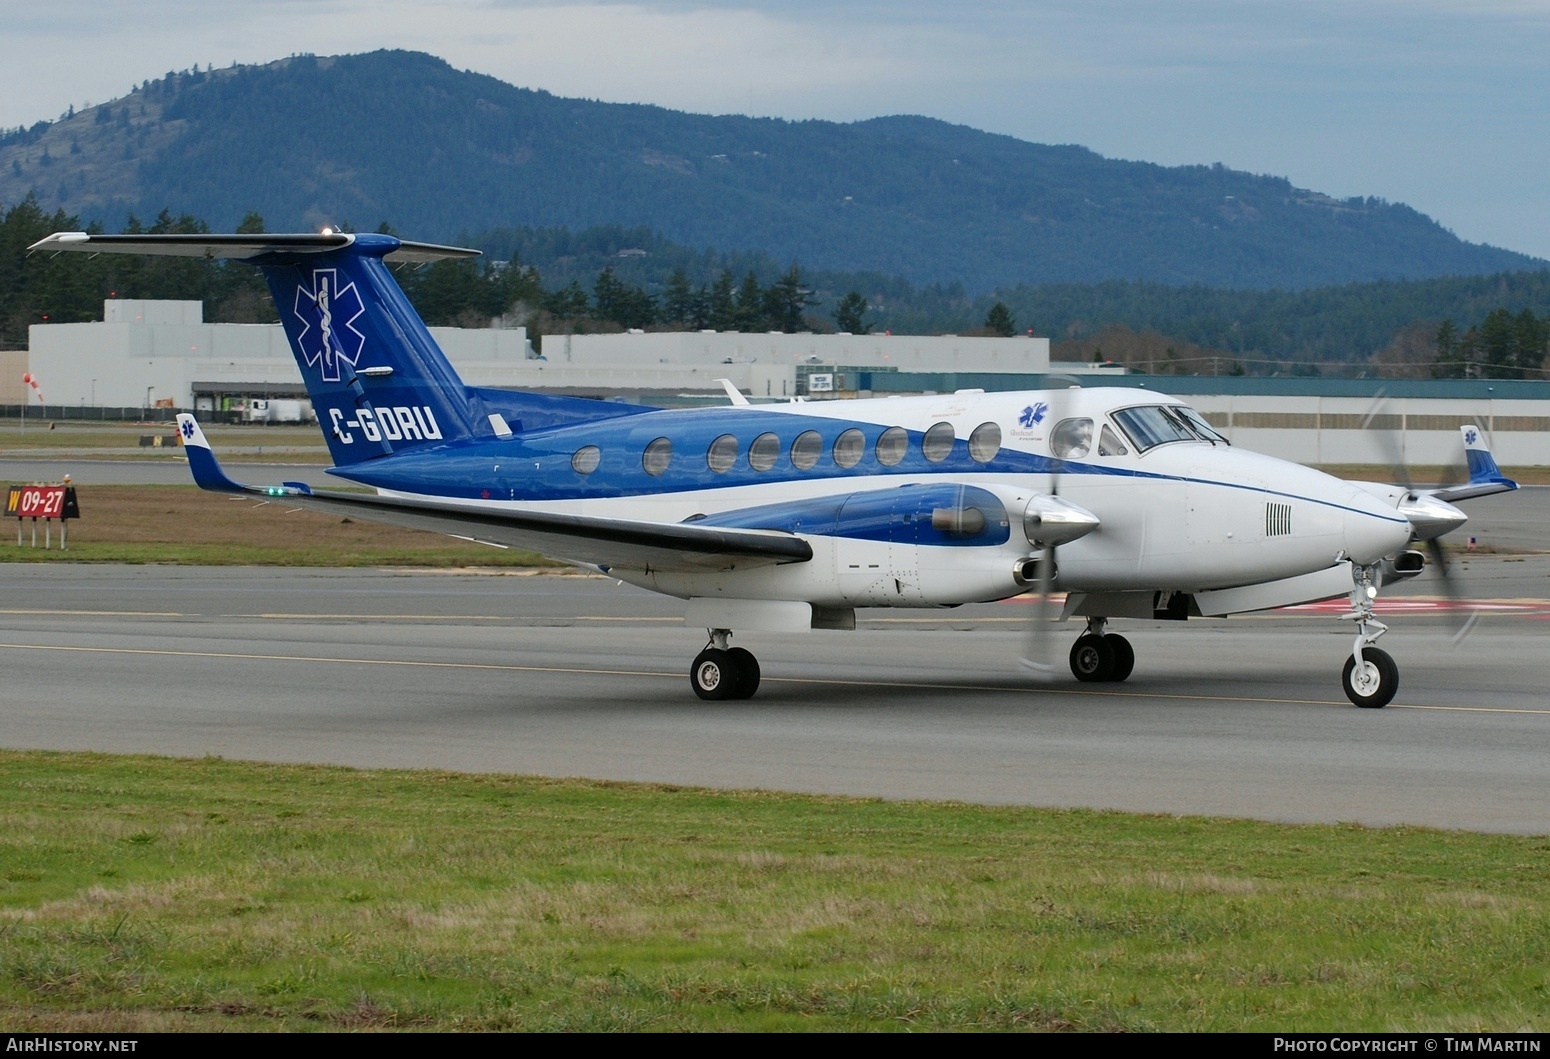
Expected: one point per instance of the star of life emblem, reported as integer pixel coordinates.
(328, 313)
(1032, 415)
(1470, 437)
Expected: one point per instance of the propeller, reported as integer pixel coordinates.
(1048, 522)
(1430, 518)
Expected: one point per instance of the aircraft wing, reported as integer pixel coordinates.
(601, 542)
(1485, 477)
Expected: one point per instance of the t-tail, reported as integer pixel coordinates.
(378, 382)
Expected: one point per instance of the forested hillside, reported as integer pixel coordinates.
(556, 281)
(402, 137)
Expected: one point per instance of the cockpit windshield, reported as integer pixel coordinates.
(1198, 424)
(1148, 426)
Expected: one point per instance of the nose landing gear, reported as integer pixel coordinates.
(1370, 677)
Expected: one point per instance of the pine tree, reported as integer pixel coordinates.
(999, 320)
(849, 314)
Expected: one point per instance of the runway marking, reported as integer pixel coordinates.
(459, 617)
(917, 685)
(98, 613)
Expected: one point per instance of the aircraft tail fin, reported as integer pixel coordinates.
(378, 382)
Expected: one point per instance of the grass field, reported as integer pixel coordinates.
(297, 443)
(150, 894)
(184, 524)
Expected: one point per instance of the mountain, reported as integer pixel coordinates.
(404, 138)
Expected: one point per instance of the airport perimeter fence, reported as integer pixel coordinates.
(43, 414)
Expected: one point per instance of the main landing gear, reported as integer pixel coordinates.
(1370, 677)
(722, 672)
(1099, 657)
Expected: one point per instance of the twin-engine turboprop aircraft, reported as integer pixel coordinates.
(789, 517)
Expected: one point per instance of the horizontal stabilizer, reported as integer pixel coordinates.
(238, 247)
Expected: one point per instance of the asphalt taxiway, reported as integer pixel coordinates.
(567, 675)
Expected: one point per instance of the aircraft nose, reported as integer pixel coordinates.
(1374, 530)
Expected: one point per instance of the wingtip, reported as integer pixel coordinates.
(201, 459)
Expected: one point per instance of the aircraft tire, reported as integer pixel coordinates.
(1092, 659)
(1372, 687)
(747, 670)
(715, 675)
(1124, 656)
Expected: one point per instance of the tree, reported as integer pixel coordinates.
(723, 305)
(1450, 353)
(849, 314)
(749, 315)
(567, 303)
(677, 298)
(999, 320)
(786, 302)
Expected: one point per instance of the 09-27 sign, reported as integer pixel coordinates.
(39, 501)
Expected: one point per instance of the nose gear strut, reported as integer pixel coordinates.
(1370, 677)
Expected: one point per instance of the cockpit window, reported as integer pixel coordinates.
(1198, 424)
(1151, 425)
(1071, 439)
(1109, 443)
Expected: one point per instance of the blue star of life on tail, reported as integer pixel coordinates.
(327, 313)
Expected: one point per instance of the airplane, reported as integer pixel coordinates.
(788, 517)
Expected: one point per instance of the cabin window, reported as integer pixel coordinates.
(586, 459)
(937, 444)
(1071, 439)
(764, 451)
(1151, 425)
(1109, 443)
(722, 454)
(892, 444)
(985, 442)
(849, 447)
(658, 454)
(806, 449)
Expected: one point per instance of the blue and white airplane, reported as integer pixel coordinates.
(789, 517)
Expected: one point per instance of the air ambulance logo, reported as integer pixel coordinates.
(328, 313)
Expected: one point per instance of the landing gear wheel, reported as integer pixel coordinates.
(715, 674)
(1372, 684)
(748, 672)
(1092, 659)
(1124, 656)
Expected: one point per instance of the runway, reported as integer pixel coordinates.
(575, 676)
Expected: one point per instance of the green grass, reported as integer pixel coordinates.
(183, 524)
(290, 443)
(145, 894)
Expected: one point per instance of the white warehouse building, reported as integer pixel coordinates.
(144, 352)
(148, 353)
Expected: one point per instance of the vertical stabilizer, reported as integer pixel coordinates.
(378, 381)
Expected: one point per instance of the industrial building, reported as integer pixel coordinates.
(150, 354)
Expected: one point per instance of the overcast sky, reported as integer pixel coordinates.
(1442, 104)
